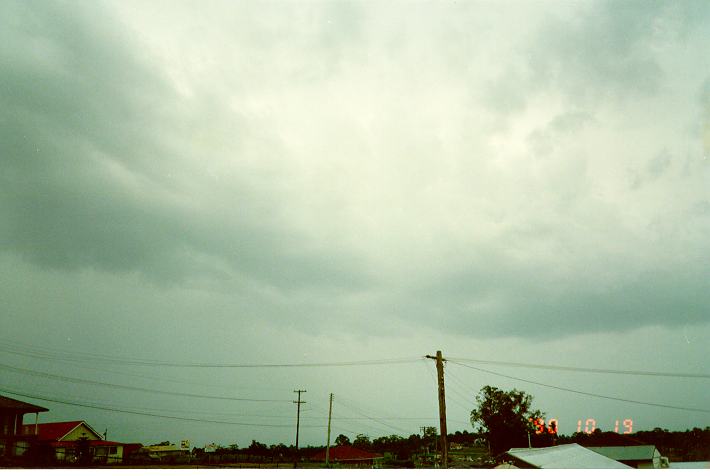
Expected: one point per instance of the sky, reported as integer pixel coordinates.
(299, 182)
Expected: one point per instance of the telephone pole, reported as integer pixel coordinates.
(327, 447)
(442, 407)
(298, 422)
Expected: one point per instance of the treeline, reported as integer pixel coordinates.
(688, 445)
(403, 448)
(397, 447)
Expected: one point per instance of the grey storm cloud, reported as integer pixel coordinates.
(93, 163)
(295, 154)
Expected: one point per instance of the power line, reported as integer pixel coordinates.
(449, 397)
(579, 392)
(466, 386)
(386, 418)
(461, 401)
(644, 373)
(350, 405)
(64, 378)
(82, 356)
(366, 428)
(153, 378)
(142, 413)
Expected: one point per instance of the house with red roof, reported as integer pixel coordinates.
(72, 440)
(346, 455)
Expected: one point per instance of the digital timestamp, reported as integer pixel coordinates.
(587, 426)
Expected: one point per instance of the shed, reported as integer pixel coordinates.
(637, 456)
(572, 456)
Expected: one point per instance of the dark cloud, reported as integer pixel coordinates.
(294, 182)
(603, 53)
(352, 169)
(95, 170)
(496, 296)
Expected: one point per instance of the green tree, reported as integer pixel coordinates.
(342, 440)
(430, 437)
(259, 449)
(83, 452)
(362, 441)
(505, 418)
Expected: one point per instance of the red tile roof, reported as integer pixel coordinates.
(51, 431)
(346, 453)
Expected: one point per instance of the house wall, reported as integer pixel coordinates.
(10, 429)
(7, 423)
(10, 423)
(79, 432)
(105, 454)
(60, 454)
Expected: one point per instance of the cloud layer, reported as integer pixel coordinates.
(508, 169)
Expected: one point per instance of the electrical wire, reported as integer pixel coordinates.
(467, 387)
(459, 400)
(82, 356)
(153, 378)
(142, 413)
(579, 392)
(353, 407)
(450, 396)
(582, 369)
(366, 418)
(453, 382)
(129, 387)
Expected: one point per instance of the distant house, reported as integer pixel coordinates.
(165, 451)
(71, 438)
(572, 456)
(13, 441)
(637, 456)
(349, 456)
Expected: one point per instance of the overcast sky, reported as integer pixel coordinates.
(292, 182)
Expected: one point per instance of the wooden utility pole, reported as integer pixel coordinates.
(327, 446)
(442, 407)
(298, 422)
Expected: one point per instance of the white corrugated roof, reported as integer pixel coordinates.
(570, 456)
(626, 453)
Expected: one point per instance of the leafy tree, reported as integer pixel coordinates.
(342, 440)
(362, 441)
(506, 418)
(430, 437)
(395, 445)
(280, 451)
(257, 448)
(83, 452)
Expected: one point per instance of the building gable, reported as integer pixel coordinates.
(83, 430)
(63, 431)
